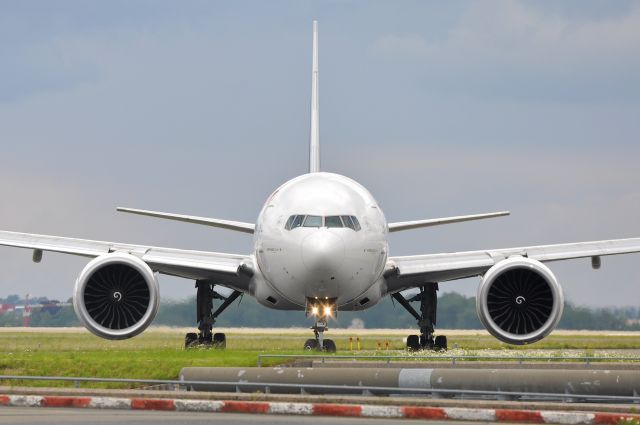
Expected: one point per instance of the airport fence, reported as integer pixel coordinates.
(453, 359)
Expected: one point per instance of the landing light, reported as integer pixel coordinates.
(327, 310)
(314, 311)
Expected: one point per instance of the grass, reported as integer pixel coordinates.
(159, 354)
(152, 355)
(628, 421)
(589, 341)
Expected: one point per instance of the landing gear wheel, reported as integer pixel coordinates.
(440, 344)
(413, 343)
(426, 319)
(206, 317)
(190, 340)
(329, 346)
(311, 344)
(219, 341)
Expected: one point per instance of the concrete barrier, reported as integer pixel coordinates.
(342, 376)
(623, 383)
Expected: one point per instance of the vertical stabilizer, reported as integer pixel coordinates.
(314, 145)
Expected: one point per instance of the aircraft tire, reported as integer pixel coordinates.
(219, 341)
(190, 340)
(329, 346)
(311, 344)
(413, 343)
(440, 343)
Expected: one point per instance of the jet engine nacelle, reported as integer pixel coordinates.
(519, 301)
(116, 296)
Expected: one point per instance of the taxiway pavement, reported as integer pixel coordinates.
(56, 416)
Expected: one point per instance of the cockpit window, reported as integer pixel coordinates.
(313, 221)
(298, 221)
(347, 222)
(333, 221)
(294, 221)
(289, 222)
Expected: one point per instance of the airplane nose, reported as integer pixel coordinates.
(323, 251)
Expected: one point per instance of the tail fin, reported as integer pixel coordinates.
(314, 147)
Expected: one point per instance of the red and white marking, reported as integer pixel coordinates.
(321, 409)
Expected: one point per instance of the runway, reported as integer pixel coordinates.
(52, 416)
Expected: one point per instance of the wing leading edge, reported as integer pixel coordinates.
(225, 269)
(238, 226)
(407, 225)
(410, 271)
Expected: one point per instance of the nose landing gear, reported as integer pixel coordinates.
(322, 314)
(426, 319)
(319, 343)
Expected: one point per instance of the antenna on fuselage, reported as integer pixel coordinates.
(314, 140)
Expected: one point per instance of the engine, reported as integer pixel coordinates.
(116, 296)
(519, 301)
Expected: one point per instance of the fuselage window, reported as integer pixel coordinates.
(333, 221)
(313, 221)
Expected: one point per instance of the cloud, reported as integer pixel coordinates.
(507, 43)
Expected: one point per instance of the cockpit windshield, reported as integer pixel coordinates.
(333, 221)
(330, 221)
(313, 221)
(351, 222)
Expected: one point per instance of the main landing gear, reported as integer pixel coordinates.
(206, 317)
(321, 314)
(426, 319)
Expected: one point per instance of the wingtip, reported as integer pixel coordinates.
(127, 210)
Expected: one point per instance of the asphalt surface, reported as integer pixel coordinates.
(48, 416)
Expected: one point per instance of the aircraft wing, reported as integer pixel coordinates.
(225, 269)
(408, 225)
(237, 226)
(407, 272)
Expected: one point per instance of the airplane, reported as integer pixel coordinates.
(50, 306)
(320, 246)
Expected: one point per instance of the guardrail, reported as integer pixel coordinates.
(454, 359)
(364, 390)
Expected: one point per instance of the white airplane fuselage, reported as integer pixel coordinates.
(319, 260)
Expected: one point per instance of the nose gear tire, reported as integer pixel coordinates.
(311, 344)
(329, 346)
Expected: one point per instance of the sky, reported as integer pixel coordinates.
(438, 108)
